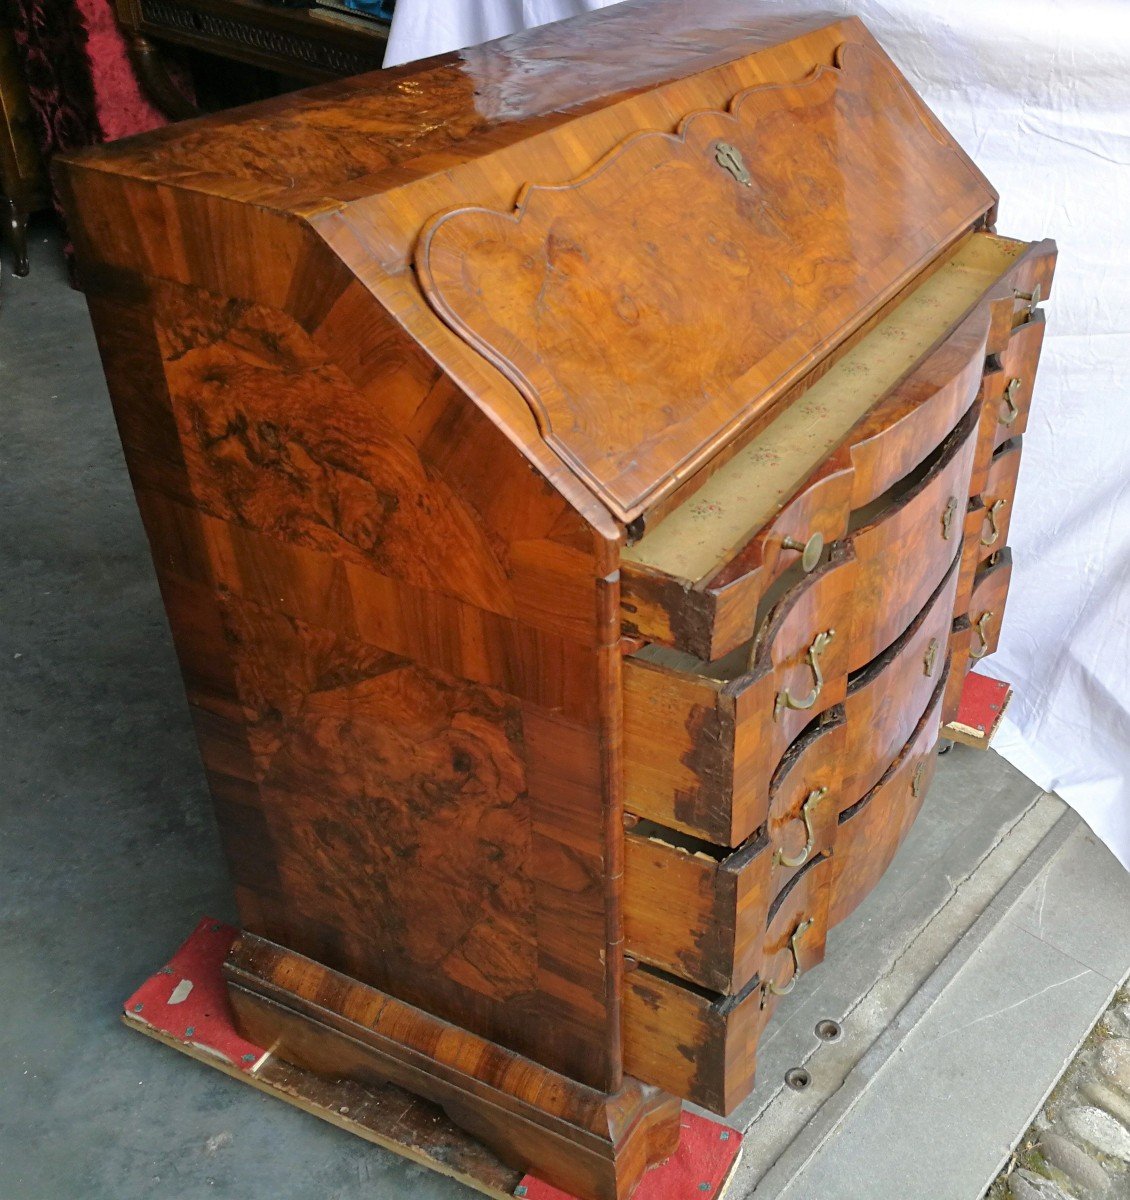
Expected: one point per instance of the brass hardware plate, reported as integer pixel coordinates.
(1011, 409)
(729, 158)
(979, 625)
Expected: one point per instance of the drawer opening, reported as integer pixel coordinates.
(795, 879)
(682, 843)
(720, 1003)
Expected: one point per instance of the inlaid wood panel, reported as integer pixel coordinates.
(583, 293)
(363, 709)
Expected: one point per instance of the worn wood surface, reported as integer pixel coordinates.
(793, 234)
(587, 1142)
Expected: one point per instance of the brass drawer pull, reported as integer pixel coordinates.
(991, 517)
(1012, 411)
(811, 801)
(1033, 297)
(979, 625)
(785, 699)
(948, 514)
(810, 551)
(779, 989)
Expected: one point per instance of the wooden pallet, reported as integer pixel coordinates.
(185, 1006)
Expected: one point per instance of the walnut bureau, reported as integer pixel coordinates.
(578, 473)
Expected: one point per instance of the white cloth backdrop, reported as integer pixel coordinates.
(1038, 92)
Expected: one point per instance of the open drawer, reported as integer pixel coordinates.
(702, 740)
(695, 579)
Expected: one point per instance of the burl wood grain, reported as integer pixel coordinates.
(583, 294)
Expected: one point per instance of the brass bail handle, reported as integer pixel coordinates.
(1012, 411)
(810, 551)
(811, 801)
(982, 621)
(779, 989)
(991, 517)
(785, 698)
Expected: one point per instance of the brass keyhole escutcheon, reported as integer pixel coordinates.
(729, 158)
(948, 514)
(810, 551)
(930, 658)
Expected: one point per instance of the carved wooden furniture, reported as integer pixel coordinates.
(23, 186)
(308, 42)
(578, 481)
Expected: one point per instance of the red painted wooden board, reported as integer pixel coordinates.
(185, 1005)
(979, 712)
(701, 1168)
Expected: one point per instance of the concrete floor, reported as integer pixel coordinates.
(109, 855)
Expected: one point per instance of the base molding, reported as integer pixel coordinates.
(594, 1145)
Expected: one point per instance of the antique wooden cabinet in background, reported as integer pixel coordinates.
(578, 473)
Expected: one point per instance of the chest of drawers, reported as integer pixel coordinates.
(578, 472)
